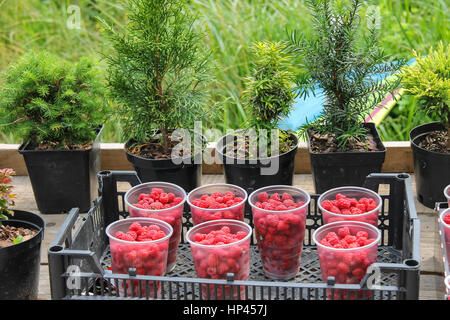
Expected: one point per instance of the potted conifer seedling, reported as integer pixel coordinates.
(157, 73)
(21, 235)
(429, 81)
(342, 62)
(262, 154)
(58, 110)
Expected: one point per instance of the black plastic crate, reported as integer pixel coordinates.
(441, 206)
(79, 255)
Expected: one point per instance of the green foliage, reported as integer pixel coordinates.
(158, 71)
(6, 197)
(341, 61)
(429, 81)
(45, 100)
(268, 96)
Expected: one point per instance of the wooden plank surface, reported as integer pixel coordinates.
(432, 286)
(398, 158)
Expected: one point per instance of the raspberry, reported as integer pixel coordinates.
(343, 232)
(275, 196)
(327, 205)
(263, 197)
(335, 209)
(157, 190)
(217, 195)
(447, 219)
(343, 203)
(164, 198)
(355, 210)
(286, 196)
(136, 227)
(362, 234)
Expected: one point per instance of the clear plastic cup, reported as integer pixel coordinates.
(347, 266)
(446, 229)
(370, 217)
(280, 234)
(148, 257)
(215, 261)
(235, 212)
(447, 285)
(172, 216)
(447, 194)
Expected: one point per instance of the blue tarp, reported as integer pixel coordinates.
(310, 108)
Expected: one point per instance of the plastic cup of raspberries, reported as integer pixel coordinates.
(163, 201)
(346, 249)
(350, 204)
(279, 217)
(447, 194)
(143, 244)
(444, 219)
(217, 201)
(220, 247)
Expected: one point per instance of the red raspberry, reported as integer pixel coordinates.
(217, 195)
(447, 219)
(286, 196)
(343, 203)
(136, 227)
(340, 196)
(327, 205)
(275, 196)
(156, 206)
(362, 207)
(177, 200)
(362, 234)
(343, 232)
(263, 197)
(164, 198)
(355, 210)
(335, 210)
(238, 200)
(157, 190)
(171, 196)
(120, 235)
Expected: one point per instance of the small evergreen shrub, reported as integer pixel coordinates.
(429, 81)
(343, 61)
(269, 95)
(53, 103)
(157, 71)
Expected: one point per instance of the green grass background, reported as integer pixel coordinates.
(230, 26)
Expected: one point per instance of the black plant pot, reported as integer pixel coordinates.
(187, 174)
(336, 169)
(20, 263)
(63, 179)
(431, 169)
(257, 173)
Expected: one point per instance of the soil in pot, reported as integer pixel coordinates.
(10, 235)
(152, 163)
(349, 165)
(328, 143)
(247, 171)
(436, 141)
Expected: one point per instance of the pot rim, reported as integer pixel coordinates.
(369, 125)
(169, 159)
(222, 155)
(415, 145)
(22, 148)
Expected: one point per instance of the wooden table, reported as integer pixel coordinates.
(431, 280)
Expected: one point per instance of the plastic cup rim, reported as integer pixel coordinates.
(198, 226)
(308, 199)
(319, 203)
(217, 184)
(447, 192)
(156, 210)
(441, 218)
(343, 223)
(108, 228)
